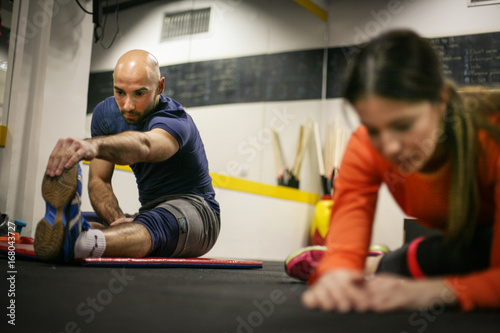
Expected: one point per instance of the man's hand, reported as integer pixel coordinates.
(67, 153)
(122, 220)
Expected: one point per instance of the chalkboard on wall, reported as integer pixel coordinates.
(338, 58)
(467, 60)
(100, 87)
(273, 77)
(470, 59)
(237, 80)
(473, 59)
(294, 76)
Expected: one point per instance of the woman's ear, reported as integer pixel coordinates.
(444, 99)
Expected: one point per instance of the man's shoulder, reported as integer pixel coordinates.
(170, 104)
(107, 120)
(169, 109)
(109, 104)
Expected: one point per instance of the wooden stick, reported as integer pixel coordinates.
(278, 153)
(340, 146)
(319, 152)
(333, 143)
(305, 140)
(327, 148)
(299, 147)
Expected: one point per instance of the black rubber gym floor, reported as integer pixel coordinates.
(58, 298)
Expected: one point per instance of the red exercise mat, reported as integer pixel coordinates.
(172, 262)
(22, 250)
(27, 251)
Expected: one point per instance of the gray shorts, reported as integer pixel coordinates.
(199, 225)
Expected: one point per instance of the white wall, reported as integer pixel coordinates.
(259, 227)
(248, 149)
(48, 100)
(357, 21)
(238, 28)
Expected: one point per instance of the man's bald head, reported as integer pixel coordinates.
(139, 63)
(138, 85)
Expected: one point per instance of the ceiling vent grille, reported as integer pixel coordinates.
(185, 23)
(482, 2)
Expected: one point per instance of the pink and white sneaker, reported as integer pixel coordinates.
(301, 264)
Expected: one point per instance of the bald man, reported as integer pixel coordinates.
(140, 127)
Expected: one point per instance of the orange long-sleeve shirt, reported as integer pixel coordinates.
(423, 196)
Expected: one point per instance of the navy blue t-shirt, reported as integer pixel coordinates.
(186, 172)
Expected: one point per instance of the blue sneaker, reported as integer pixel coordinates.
(57, 232)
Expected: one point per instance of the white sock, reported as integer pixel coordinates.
(90, 243)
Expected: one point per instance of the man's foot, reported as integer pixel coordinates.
(57, 232)
(301, 264)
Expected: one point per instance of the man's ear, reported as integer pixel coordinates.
(161, 86)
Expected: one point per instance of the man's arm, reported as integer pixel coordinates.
(131, 147)
(125, 148)
(101, 193)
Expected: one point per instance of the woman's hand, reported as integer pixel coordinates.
(388, 292)
(344, 291)
(339, 290)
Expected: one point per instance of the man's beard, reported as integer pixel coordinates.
(140, 117)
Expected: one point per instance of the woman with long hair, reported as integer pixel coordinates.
(438, 150)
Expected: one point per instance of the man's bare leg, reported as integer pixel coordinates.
(97, 225)
(127, 240)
